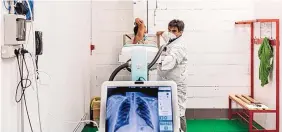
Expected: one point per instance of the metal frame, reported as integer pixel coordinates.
(250, 113)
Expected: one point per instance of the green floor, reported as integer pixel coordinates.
(208, 125)
(216, 125)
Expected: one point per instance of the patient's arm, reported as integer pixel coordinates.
(141, 31)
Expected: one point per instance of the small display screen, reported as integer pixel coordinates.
(139, 109)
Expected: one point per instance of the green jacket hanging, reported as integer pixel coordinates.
(265, 55)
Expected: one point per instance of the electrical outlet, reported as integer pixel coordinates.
(8, 51)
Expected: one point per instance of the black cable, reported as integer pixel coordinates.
(23, 90)
(153, 62)
(38, 103)
(128, 36)
(157, 56)
(127, 68)
(21, 82)
(117, 70)
(26, 109)
(26, 70)
(36, 63)
(24, 87)
(24, 93)
(126, 65)
(139, 79)
(22, 72)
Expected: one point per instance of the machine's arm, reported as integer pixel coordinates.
(127, 65)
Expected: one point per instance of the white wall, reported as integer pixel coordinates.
(111, 19)
(64, 97)
(1, 40)
(215, 46)
(219, 55)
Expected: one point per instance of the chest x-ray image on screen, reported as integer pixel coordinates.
(139, 109)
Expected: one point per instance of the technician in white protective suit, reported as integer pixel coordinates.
(173, 66)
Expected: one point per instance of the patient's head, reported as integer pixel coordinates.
(135, 29)
(139, 25)
(139, 31)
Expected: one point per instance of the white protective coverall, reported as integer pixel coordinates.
(173, 67)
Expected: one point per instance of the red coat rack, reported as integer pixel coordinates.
(243, 100)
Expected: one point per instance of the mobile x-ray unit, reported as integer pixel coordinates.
(139, 105)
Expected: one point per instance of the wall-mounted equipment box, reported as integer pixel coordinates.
(15, 29)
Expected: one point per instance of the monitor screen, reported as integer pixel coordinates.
(139, 109)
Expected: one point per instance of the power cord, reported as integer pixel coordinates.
(37, 93)
(75, 122)
(21, 77)
(21, 52)
(35, 66)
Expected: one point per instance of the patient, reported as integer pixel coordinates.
(139, 32)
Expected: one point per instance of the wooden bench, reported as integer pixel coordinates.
(247, 102)
(250, 106)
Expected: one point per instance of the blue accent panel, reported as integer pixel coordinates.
(139, 66)
(28, 15)
(31, 4)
